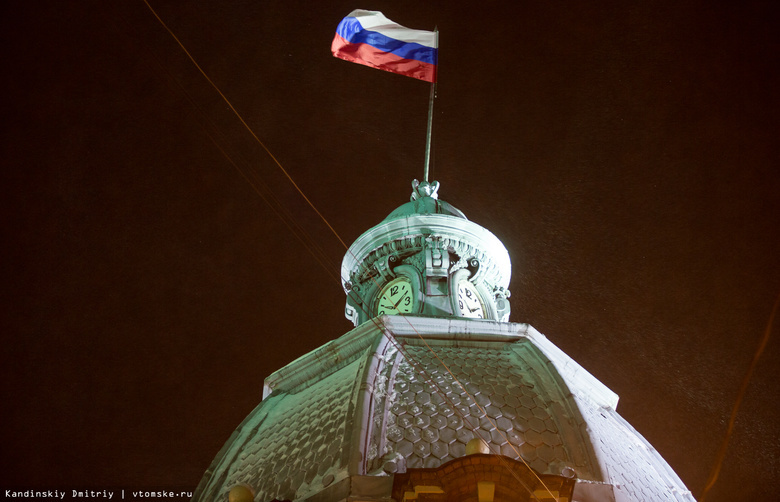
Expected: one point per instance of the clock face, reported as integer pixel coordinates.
(396, 298)
(469, 303)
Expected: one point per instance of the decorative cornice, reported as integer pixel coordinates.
(406, 235)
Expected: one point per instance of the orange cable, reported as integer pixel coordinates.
(227, 101)
(741, 394)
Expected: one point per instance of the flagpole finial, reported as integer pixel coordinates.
(425, 189)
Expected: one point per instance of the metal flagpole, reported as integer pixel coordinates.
(430, 110)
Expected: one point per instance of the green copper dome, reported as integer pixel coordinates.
(426, 258)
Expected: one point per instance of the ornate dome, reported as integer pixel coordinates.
(445, 258)
(380, 410)
(434, 396)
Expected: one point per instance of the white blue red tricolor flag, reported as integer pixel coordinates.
(369, 38)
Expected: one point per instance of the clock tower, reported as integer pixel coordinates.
(427, 258)
(435, 395)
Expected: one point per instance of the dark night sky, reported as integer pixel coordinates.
(625, 153)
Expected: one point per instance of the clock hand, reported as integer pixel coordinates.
(399, 302)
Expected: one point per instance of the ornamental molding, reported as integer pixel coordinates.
(407, 236)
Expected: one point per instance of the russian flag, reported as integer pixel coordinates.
(369, 38)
